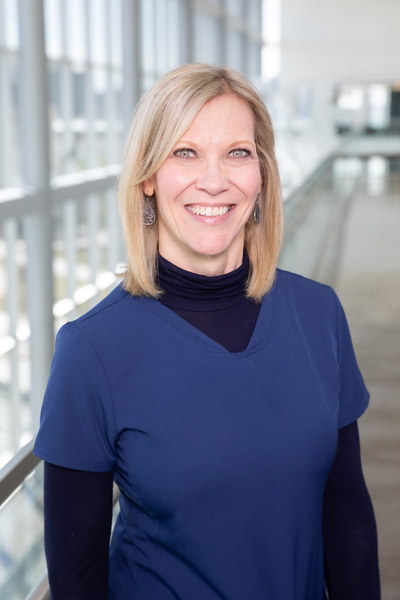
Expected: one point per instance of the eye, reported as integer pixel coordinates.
(239, 152)
(184, 153)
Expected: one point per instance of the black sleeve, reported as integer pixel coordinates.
(349, 529)
(78, 515)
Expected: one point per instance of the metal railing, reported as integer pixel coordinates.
(12, 475)
(41, 591)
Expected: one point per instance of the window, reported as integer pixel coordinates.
(60, 145)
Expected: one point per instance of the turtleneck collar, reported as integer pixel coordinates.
(190, 291)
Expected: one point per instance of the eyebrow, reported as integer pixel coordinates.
(233, 143)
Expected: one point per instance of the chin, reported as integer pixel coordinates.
(210, 251)
(211, 247)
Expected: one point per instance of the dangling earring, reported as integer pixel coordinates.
(257, 211)
(149, 216)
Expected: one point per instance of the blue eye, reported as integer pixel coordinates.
(184, 153)
(239, 152)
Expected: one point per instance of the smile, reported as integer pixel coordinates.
(209, 211)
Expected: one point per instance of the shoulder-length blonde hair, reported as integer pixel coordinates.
(162, 116)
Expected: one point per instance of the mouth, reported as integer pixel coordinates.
(209, 211)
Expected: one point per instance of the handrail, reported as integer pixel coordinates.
(13, 474)
(41, 591)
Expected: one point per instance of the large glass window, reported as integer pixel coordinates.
(10, 166)
(15, 423)
(163, 37)
(60, 234)
(207, 38)
(71, 215)
(84, 50)
(21, 539)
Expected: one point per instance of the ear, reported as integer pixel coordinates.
(148, 187)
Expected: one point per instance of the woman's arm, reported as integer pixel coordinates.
(349, 529)
(78, 515)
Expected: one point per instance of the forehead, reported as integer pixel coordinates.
(224, 116)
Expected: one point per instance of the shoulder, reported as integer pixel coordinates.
(113, 321)
(309, 299)
(303, 288)
(103, 309)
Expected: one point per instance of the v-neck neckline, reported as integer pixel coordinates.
(189, 334)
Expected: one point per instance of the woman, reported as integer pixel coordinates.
(220, 393)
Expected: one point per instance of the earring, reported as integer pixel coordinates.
(257, 211)
(149, 216)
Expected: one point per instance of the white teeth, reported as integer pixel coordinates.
(209, 211)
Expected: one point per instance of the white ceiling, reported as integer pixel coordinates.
(340, 40)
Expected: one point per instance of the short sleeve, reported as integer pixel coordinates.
(354, 396)
(77, 425)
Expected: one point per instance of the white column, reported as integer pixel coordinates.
(131, 51)
(35, 164)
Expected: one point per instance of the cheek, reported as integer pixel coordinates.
(171, 180)
(250, 183)
(163, 184)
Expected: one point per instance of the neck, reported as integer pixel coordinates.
(208, 265)
(194, 291)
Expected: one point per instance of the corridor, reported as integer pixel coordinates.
(345, 232)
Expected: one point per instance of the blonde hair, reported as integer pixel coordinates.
(162, 116)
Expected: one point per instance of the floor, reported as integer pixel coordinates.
(346, 231)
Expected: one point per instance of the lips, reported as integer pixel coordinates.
(208, 211)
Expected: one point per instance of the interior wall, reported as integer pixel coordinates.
(340, 41)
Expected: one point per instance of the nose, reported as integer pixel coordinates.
(212, 178)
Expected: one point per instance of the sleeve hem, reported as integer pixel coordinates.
(356, 414)
(70, 463)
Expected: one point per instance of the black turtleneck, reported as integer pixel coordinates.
(218, 306)
(78, 503)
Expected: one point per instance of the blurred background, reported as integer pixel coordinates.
(71, 72)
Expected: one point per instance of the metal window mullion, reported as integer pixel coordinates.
(37, 226)
(186, 28)
(260, 40)
(79, 185)
(169, 33)
(89, 90)
(2, 26)
(246, 54)
(171, 26)
(7, 143)
(69, 219)
(254, 37)
(131, 57)
(92, 208)
(114, 231)
(40, 293)
(161, 37)
(110, 110)
(222, 33)
(156, 41)
(10, 235)
(66, 89)
(66, 114)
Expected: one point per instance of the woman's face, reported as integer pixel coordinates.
(207, 187)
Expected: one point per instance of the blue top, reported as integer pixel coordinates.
(221, 458)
